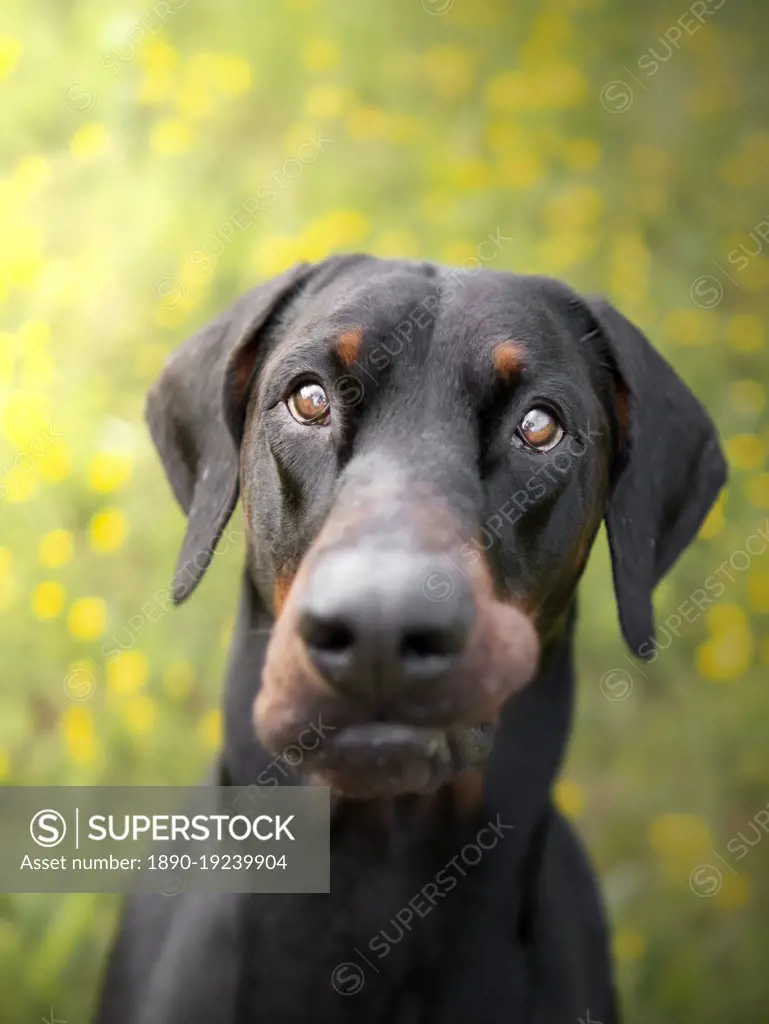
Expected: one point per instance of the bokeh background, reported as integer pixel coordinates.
(156, 162)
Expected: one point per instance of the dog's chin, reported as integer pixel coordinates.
(382, 759)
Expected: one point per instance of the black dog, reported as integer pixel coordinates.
(424, 457)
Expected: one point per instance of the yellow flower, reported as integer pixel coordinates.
(367, 123)
(56, 464)
(18, 485)
(37, 369)
(581, 154)
(178, 678)
(470, 174)
(79, 735)
(226, 73)
(325, 102)
(734, 893)
(745, 451)
(210, 729)
(109, 470)
(90, 141)
(561, 86)
(26, 417)
(87, 618)
(521, 170)
(127, 672)
(320, 54)
(10, 52)
(577, 207)
(629, 944)
(157, 55)
(30, 173)
(758, 490)
(681, 838)
(170, 137)
(504, 137)
(507, 91)
(338, 229)
(689, 326)
(276, 253)
(758, 591)
(139, 714)
(569, 798)
(550, 31)
(725, 618)
(108, 530)
(160, 62)
(25, 260)
(48, 600)
(552, 86)
(725, 657)
(560, 252)
(745, 332)
(157, 87)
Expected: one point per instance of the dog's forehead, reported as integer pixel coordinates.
(441, 311)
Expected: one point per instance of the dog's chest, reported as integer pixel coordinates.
(372, 950)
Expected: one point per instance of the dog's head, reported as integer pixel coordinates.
(424, 457)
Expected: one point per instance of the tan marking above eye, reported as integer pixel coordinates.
(348, 345)
(508, 358)
(309, 404)
(540, 429)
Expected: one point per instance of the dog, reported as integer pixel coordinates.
(424, 457)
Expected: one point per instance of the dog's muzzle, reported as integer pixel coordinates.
(403, 647)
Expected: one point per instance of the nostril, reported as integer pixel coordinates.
(431, 643)
(329, 635)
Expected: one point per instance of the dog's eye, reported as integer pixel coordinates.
(309, 404)
(539, 429)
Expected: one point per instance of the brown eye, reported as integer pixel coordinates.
(309, 404)
(540, 430)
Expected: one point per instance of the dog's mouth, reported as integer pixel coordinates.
(387, 759)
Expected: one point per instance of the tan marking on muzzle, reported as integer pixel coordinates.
(467, 793)
(283, 583)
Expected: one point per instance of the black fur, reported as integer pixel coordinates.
(521, 936)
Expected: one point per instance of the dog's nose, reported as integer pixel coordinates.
(377, 623)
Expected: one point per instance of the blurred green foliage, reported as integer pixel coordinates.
(158, 161)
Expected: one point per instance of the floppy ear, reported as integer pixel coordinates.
(670, 471)
(188, 418)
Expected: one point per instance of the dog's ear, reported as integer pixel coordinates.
(189, 410)
(669, 470)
